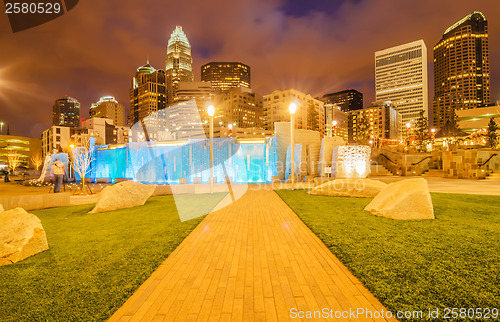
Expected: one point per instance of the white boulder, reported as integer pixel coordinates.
(406, 199)
(349, 188)
(21, 235)
(123, 195)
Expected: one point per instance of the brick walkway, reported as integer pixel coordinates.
(253, 261)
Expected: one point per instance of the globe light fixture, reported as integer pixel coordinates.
(211, 110)
(292, 108)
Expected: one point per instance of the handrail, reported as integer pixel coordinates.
(427, 157)
(491, 157)
(385, 156)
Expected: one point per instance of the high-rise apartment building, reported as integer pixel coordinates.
(108, 107)
(66, 112)
(335, 121)
(226, 75)
(148, 93)
(310, 114)
(179, 64)
(461, 68)
(239, 107)
(347, 100)
(401, 77)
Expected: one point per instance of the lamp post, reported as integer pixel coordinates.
(211, 112)
(292, 108)
(334, 125)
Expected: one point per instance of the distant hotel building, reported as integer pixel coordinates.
(239, 107)
(108, 107)
(401, 77)
(276, 109)
(226, 75)
(178, 62)
(147, 93)
(384, 122)
(347, 100)
(66, 112)
(461, 68)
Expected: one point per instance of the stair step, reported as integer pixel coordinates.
(379, 170)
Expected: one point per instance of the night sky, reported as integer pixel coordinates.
(315, 46)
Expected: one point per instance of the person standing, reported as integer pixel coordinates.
(58, 171)
(6, 171)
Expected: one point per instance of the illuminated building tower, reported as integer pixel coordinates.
(461, 68)
(239, 107)
(382, 119)
(310, 113)
(108, 107)
(148, 93)
(66, 112)
(178, 62)
(226, 75)
(347, 100)
(401, 77)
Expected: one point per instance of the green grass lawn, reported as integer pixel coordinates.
(95, 261)
(450, 262)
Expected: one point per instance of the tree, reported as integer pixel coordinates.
(422, 132)
(82, 157)
(491, 134)
(312, 117)
(455, 127)
(37, 160)
(14, 160)
(363, 130)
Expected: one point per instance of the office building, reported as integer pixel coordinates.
(179, 64)
(382, 118)
(461, 68)
(148, 93)
(108, 107)
(347, 100)
(240, 107)
(226, 75)
(401, 77)
(66, 112)
(336, 123)
(310, 114)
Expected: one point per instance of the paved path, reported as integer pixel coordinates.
(253, 260)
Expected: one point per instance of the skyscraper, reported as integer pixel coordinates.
(148, 93)
(461, 68)
(179, 64)
(401, 77)
(66, 112)
(226, 75)
(347, 100)
(108, 107)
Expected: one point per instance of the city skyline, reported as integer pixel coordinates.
(268, 36)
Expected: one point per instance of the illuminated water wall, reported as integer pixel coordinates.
(151, 162)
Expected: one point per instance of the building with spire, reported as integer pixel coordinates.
(461, 68)
(179, 64)
(148, 93)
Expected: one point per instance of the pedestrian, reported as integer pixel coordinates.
(6, 171)
(58, 171)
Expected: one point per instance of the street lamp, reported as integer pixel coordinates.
(211, 112)
(292, 108)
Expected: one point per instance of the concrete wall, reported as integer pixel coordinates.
(32, 202)
(465, 164)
